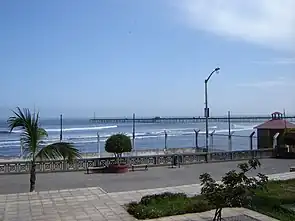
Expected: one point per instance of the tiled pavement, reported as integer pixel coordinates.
(90, 204)
(94, 204)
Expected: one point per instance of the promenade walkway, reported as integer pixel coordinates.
(94, 204)
(153, 178)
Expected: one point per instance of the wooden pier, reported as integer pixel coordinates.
(184, 120)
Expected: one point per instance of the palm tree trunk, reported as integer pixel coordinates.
(217, 215)
(33, 177)
(118, 159)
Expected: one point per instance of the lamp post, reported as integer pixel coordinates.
(206, 106)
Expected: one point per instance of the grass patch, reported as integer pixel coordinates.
(274, 202)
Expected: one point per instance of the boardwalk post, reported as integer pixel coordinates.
(133, 133)
(196, 139)
(251, 140)
(230, 145)
(165, 134)
(98, 144)
(60, 135)
(229, 126)
(211, 140)
(21, 148)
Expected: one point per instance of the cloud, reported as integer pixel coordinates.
(266, 22)
(280, 82)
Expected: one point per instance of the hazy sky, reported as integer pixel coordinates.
(149, 57)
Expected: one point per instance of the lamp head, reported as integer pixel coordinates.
(217, 70)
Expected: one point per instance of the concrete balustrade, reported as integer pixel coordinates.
(23, 166)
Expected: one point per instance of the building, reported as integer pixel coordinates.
(267, 130)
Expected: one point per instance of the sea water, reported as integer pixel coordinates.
(84, 135)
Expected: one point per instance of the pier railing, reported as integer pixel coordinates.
(16, 167)
(185, 120)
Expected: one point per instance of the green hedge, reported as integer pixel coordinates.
(273, 202)
(167, 204)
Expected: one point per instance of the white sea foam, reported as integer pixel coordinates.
(76, 129)
(238, 126)
(80, 139)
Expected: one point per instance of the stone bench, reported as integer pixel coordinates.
(94, 169)
(135, 166)
(292, 169)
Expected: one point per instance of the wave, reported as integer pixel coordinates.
(76, 129)
(159, 133)
(4, 132)
(238, 126)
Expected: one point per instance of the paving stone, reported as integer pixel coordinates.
(92, 204)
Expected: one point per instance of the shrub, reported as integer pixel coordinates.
(167, 204)
(131, 207)
(118, 144)
(149, 199)
(235, 189)
(289, 137)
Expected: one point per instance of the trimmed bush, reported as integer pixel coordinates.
(274, 202)
(167, 204)
(289, 137)
(118, 144)
(149, 199)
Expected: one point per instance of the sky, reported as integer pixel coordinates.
(151, 57)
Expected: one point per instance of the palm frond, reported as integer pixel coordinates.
(18, 120)
(41, 135)
(59, 150)
(28, 123)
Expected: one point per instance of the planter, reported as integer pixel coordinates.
(115, 168)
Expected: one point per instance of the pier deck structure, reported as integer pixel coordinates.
(184, 120)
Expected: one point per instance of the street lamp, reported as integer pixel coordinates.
(206, 106)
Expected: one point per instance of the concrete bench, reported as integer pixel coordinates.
(134, 166)
(292, 169)
(93, 169)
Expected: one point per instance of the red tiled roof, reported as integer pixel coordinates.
(275, 124)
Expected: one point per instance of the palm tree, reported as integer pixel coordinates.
(32, 137)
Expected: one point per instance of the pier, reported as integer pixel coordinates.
(185, 120)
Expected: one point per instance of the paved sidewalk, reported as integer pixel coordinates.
(153, 178)
(86, 204)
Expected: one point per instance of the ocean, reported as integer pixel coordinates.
(83, 135)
